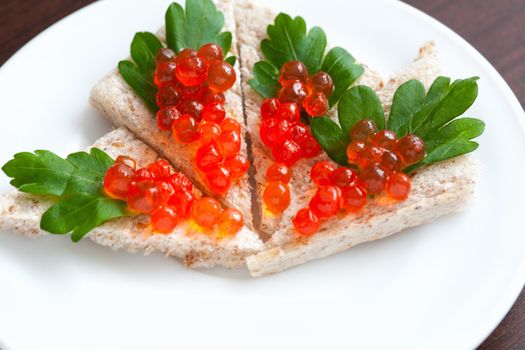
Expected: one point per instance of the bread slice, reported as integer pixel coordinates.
(437, 190)
(21, 212)
(252, 21)
(117, 101)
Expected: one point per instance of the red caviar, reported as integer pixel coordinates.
(380, 158)
(165, 195)
(191, 101)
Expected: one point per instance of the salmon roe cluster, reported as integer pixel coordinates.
(166, 196)
(378, 157)
(190, 97)
(282, 130)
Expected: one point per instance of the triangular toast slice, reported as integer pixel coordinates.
(117, 101)
(253, 20)
(436, 190)
(21, 212)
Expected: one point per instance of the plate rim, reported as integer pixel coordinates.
(514, 286)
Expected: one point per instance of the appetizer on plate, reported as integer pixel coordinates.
(279, 148)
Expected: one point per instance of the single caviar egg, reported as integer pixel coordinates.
(391, 161)
(166, 116)
(164, 219)
(218, 179)
(353, 198)
(229, 143)
(208, 157)
(278, 172)
(353, 150)
(221, 76)
(289, 111)
(397, 186)
(321, 173)
(182, 202)
(411, 149)
(230, 222)
(343, 177)
(237, 164)
(363, 130)
(293, 91)
(287, 152)
(213, 112)
(118, 179)
(293, 70)
(385, 139)
(210, 52)
(191, 71)
(185, 129)
(167, 96)
(164, 74)
(205, 212)
(306, 222)
(230, 124)
(326, 201)
(164, 54)
(276, 197)
(185, 53)
(320, 82)
(209, 131)
(316, 104)
(270, 107)
(373, 179)
(192, 108)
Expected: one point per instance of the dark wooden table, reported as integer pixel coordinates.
(495, 27)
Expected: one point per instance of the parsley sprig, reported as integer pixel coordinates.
(431, 115)
(198, 24)
(75, 185)
(289, 40)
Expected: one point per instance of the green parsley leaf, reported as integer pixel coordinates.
(231, 60)
(360, 102)
(76, 184)
(144, 47)
(201, 23)
(42, 172)
(452, 140)
(431, 116)
(139, 72)
(407, 100)
(266, 79)
(80, 213)
(89, 173)
(341, 66)
(443, 103)
(330, 137)
(288, 40)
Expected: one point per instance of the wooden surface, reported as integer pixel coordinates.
(495, 27)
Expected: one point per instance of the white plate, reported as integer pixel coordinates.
(441, 286)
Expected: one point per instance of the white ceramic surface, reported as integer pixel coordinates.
(441, 286)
